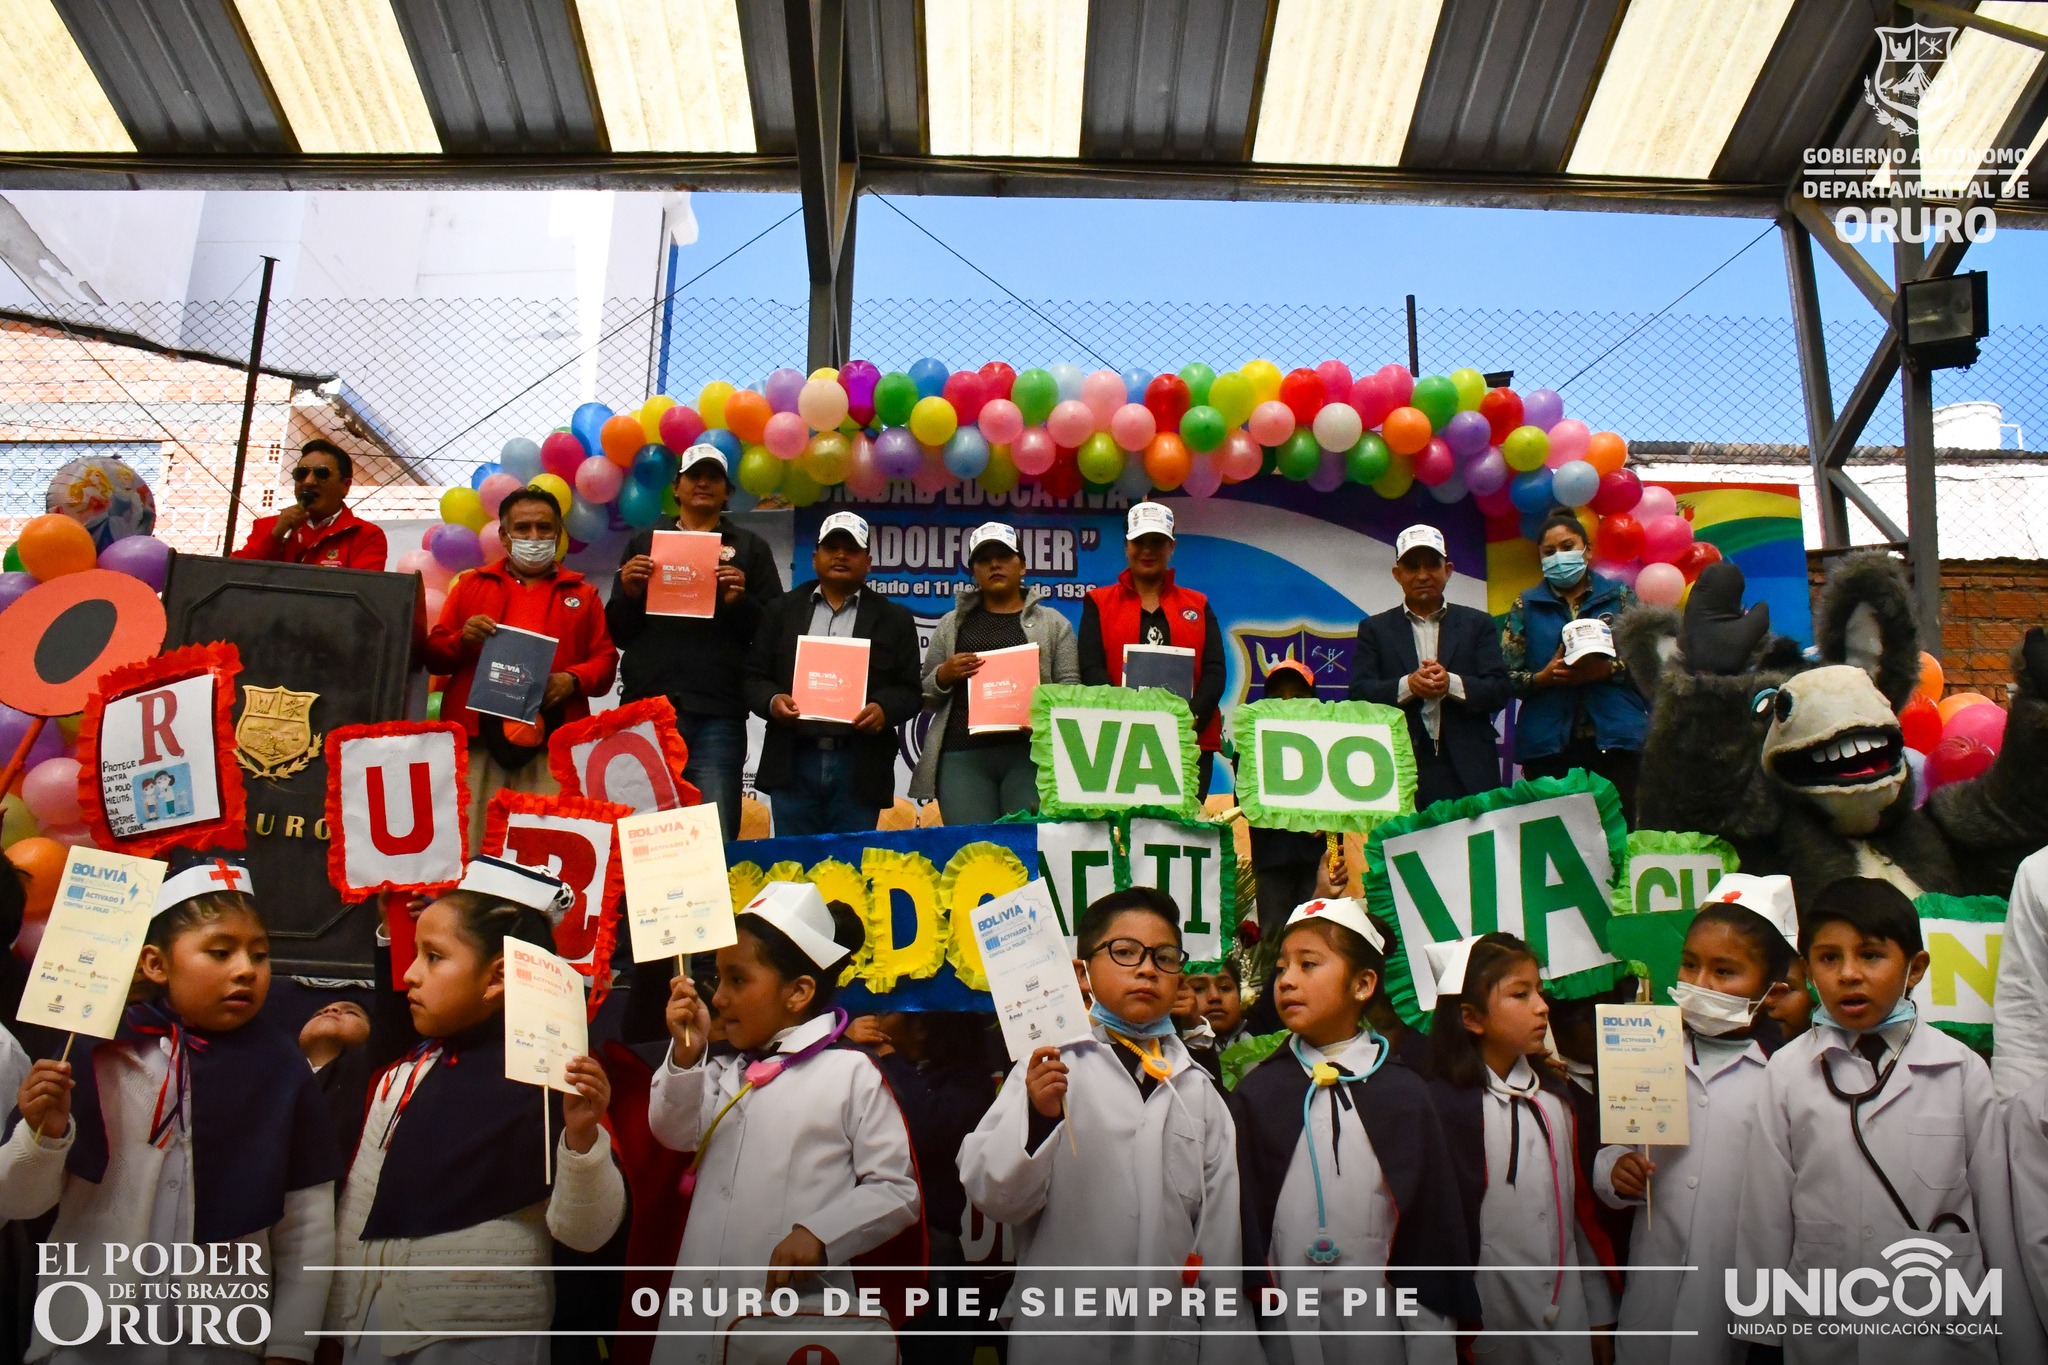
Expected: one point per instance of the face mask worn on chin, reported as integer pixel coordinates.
(1713, 1013)
(531, 554)
(1564, 568)
(1116, 1023)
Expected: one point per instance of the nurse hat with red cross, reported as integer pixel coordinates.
(210, 872)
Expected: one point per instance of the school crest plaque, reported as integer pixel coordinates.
(274, 738)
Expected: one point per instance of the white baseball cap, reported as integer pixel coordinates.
(214, 874)
(1348, 911)
(1419, 538)
(1447, 963)
(992, 532)
(507, 880)
(1148, 519)
(798, 909)
(1770, 897)
(851, 523)
(1587, 636)
(700, 454)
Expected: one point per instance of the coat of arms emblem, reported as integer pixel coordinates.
(1902, 90)
(274, 738)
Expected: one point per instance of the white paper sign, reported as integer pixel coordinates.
(545, 1026)
(1077, 859)
(1030, 971)
(1185, 862)
(157, 758)
(86, 961)
(677, 892)
(1641, 1055)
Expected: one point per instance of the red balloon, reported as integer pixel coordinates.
(680, 427)
(1698, 556)
(1399, 384)
(1369, 396)
(967, 393)
(1167, 398)
(1957, 759)
(996, 379)
(1921, 725)
(1619, 492)
(1621, 538)
(1063, 480)
(1502, 409)
(1304, 394)
(1336, 377)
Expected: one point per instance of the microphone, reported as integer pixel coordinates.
(305, 498)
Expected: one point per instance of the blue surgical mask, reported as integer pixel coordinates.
(1116, 1023)
(1564, 568)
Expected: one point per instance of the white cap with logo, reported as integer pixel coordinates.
(992, 533)
(1419, 538)
(849, 522)
(798, 909)
(1587, 637)
(704, 454)
(1148, 519)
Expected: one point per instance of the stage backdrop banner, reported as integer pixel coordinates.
(1106, 749)
(1537, 860)
(1316, 766)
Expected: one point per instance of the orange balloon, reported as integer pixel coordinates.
(41, 862)
(621, 438)
(1606, 452)
(1406, 431)
(53, 545)
(1957, 701)
(1167, 461)
(1932, 680)
(746, 415)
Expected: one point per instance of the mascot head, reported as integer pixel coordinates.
(1832, 739)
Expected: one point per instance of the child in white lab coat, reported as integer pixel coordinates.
(1514, 1145)
(1345, 1173)
(1738, 954)
(2026, 1128)
(1117, 1151)
(803, 1160)
(1875, 1130)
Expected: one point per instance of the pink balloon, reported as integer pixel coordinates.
(932, 476)
(1984, 723)
(1000, 421)
(1494, 504)
(680, 427)
(1034, 451)
(1666, 540)
(436, 599)
(1271, 423)
(561, 453)
(1397, 384)
(50, 790)
(1103, 392)
(1656, 502)
(863, 478)
(786, 435)
(1660, 585)
(1239, 457)
(1435, 464)
(597, 480)
(1132, 426)
(1625, 573)
(1953, 760)
(1071, 423)
(493, 543)
(1336, 377)
(1203, 477)
(71, 836)
(1619, 492)
(1570, 436)
(498, 487)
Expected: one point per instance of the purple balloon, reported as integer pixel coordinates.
(1329, 475)
(14, 724)
(1450, 490)
(782, 388)
(1467, 434)
(1487, 474)
(143, 557)
(858, 378)
(897, 453)
(457, 548)
(13, 585)
(1542, 408)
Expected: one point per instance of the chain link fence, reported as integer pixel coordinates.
(424, 390)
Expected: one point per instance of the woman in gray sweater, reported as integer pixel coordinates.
(978, 779)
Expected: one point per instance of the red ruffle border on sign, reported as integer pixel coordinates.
(231, 829)
(337, 853)
(604, 723)
(498, 816)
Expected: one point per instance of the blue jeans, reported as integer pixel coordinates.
(981, 785)
(819, 798)
(716, 763)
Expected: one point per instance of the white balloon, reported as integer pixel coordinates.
(1338, 427)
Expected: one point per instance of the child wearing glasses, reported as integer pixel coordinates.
(1116, 1152)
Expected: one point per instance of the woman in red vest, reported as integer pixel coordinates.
(1146, 607)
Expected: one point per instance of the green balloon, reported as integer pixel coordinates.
(895, 396)
(1201, 427)
(760, 472)
(1437, 399)
(1198, 377)
(1100, 459)
(1269, 459)
(1231, 394)
(1367, 460)
(11, 562)
(797, 484)
(1035, 392)
(1299, 456)
(433, 706)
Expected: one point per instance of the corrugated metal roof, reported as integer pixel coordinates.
(179, 74)
(1173, 80)
(501, 75)
(1507, 83)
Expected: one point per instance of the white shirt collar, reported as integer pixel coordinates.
(797, 1037)
(1519, 1083)
(1433, 618)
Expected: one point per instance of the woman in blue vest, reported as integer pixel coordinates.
(1584, 715)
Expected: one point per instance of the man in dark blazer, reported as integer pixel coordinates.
(1442, 665)
(827, 777)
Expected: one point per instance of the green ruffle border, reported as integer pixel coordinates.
(1049, 695)
(1244, 724)
(1669, 841)
(1379, 890)
(1933, 905)
(1246, 1053)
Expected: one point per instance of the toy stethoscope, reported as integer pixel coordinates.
(1329, 1076)
(1856, 1103)
(758, 1074)
(1154, 1062)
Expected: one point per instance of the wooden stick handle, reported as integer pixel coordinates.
(63, 1056)
(682, 969)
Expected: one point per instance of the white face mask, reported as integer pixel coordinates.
(531, 554)
(1713, 1013)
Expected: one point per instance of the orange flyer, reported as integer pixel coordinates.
(999, 693)
(685, 578)
(831, 680)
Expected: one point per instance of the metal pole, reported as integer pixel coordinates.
(227, 545)
(1916, 389)
(1813, 375)
(1414, 353)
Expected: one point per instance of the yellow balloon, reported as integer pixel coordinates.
(1470, 386)
(933, 421)
(650, 416)
(827, 458)
(1265, 378)
(68, 726)
(462, 507)
(1398, 479)
(798, 488)
(1232, 396)
(824, 372)
(711, 402)
(554, 485)
(1001, 474)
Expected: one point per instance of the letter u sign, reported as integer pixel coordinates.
(396, 803)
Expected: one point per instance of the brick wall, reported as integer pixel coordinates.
(1986, 606)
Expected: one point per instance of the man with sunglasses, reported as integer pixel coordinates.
(318, 527)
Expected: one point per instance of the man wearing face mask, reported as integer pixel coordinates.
(318, 527)
(530, 591)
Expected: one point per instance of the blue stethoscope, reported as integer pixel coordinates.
(1328, 1075)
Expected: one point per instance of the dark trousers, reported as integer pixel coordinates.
(715, 762)
(819, 798)
(1616, 765)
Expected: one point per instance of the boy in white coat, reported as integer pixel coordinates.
(1117, 1152)
(1876, 1139)
(2026, 1127)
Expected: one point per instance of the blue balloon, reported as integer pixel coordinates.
(586, 422)
(517, 449)
(1532, 524)
(1574, 483)
(1530, 492)
(586, 520)
(929, 375)
(1067, 377)
(966, 454)
(727, 443)
(484, 471)
(639, 504)
(1134, 384)
(655, 466)
(523, 463)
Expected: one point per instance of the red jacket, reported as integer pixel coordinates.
(1187, 622)
(347, 542)
(575, 617)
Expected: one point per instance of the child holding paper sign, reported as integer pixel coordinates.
(449, 1170)
(198, 1122)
